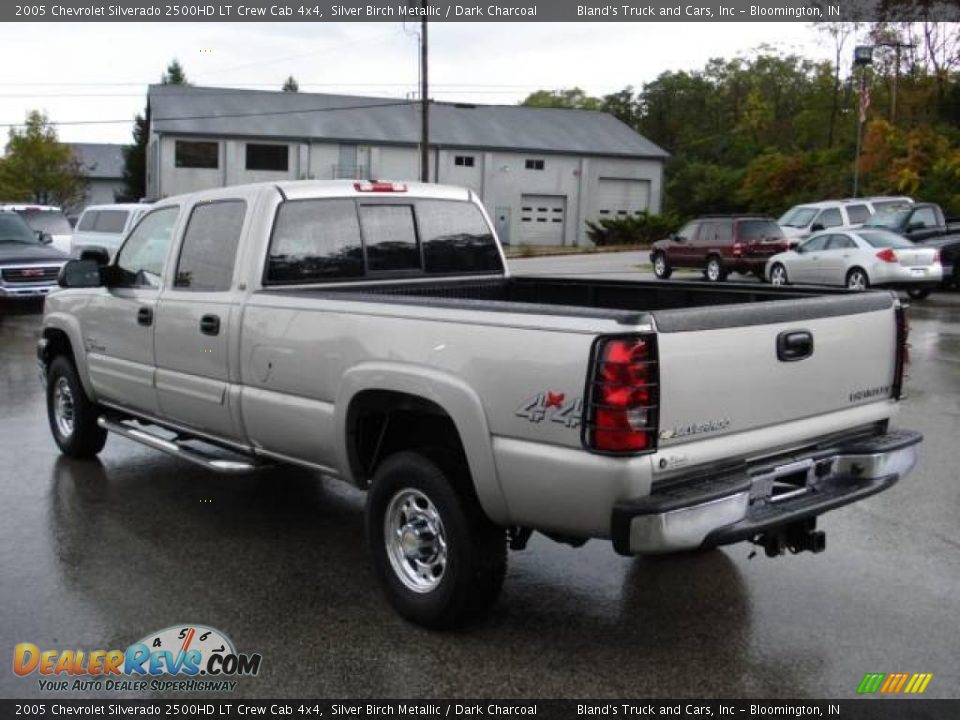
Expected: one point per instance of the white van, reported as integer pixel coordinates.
(801, 220)
(105, 226)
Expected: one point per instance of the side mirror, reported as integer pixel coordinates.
(97, 254)
(816, 227)
(679, 238)
(79, 274)
(793, 244)
(44, 238)
(917, 225)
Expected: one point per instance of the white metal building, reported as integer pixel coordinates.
(541, 172)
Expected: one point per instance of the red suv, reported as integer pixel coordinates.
(719, 245)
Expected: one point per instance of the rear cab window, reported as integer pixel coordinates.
(344, 239)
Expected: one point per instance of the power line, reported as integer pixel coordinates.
(365, 106)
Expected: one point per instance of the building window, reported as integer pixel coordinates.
(463, 160)
(532, 164)
(268, 157)
(197, 154)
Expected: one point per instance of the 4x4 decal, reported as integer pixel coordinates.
(553, 407)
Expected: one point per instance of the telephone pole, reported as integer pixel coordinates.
(897, 47)
(424, 101)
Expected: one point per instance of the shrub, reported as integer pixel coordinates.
(642, 229)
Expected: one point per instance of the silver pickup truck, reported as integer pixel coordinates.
(371, 331)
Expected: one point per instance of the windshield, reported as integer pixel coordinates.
(13, 229)
(52, 222)
(883, 239)
(797, 217)
(888, 219)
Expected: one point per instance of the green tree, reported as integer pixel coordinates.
(135, 155)
(39, 168)
(574, 98)
(291, 85)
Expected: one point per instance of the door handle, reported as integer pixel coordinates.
(210, 325)
(145, 316)
(794, 345)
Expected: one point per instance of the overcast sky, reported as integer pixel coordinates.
(99, 71)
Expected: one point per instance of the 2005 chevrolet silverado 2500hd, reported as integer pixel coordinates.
(371, 331)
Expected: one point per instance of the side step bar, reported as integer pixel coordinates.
(179, 449)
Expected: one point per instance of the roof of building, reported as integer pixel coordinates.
(191, 110)
(99, 160)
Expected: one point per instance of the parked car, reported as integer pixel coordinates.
(949, 248)
(719, 244)
(47, 219)
(918, 222)
(104, 226)
(372, 332)
(29, 264)
(802, 220)
(859, 259)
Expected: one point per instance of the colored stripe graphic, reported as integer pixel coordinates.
(894, 683)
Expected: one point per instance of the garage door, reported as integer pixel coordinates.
(616, 197)
(541, 219)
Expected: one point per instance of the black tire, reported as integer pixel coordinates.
(72, 417)
(857, 279)
(474, 553)
(714, 271)
(919, 293)
(661, 266)
(778, 271)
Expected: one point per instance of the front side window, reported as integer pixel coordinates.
(830, 218)
(143, 254)
(196, 154)
(209, 247)
(688, 232)
(456, 238)
(390, 237)
(797, 217)
(840, 242)
(815, 244)
(268, 157)
(315, 240)
(924, 217)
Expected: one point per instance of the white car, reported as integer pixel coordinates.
(802, 220)
(859, 259)
(105, 226)
(46, 219)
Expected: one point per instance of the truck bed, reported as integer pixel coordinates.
(673, 306)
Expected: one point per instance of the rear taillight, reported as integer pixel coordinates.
(936, 256)
(623, 395)
(887, 255)
(903, 352)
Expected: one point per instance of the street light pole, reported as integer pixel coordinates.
(862, 58)
(424, 102)
(897, 47)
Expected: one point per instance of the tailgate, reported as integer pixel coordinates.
(722, 372)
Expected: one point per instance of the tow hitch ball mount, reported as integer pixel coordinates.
(795, 537)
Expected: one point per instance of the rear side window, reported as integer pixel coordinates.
(456, 238)
(111, 221)
(209, 247)
(315, 240)
(760, 230)
(390, 237)
(88, 221)
(858, 214)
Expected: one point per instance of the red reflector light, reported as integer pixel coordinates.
(738, 248)
(887, 255)
(622, 411)
(379, 186)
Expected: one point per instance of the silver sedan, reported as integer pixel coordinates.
(859, 259)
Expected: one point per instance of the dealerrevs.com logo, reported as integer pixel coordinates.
(178, 658)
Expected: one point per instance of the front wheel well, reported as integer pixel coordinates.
(57, 343)
(383, 422)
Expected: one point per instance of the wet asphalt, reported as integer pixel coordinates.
(97, 554)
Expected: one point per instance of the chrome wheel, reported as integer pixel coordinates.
(857, 280)
(63, 407)
(415, 540)
(778, 275)
(659, 265)
(713, 270)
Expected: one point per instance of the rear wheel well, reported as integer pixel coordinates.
(383, 422)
